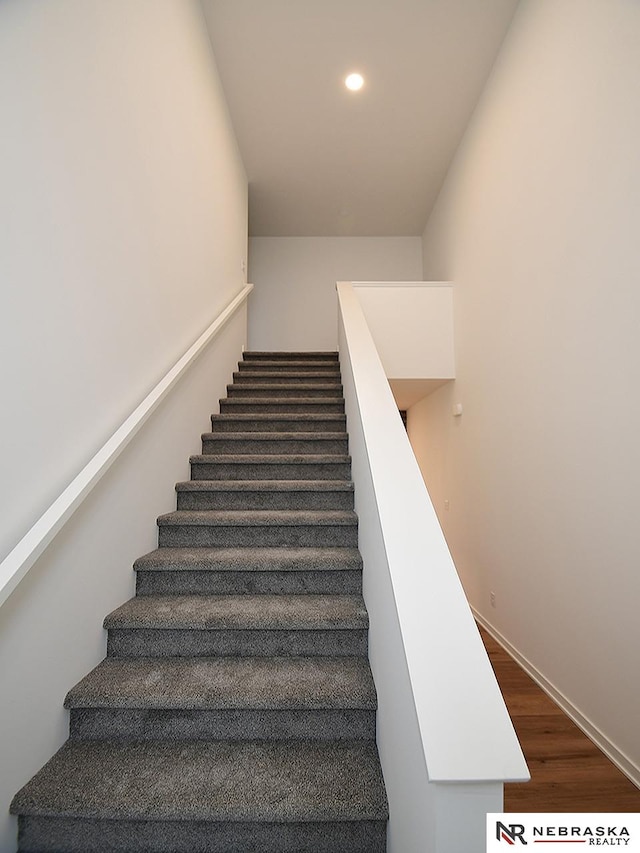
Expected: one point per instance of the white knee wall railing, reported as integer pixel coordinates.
(446, 742)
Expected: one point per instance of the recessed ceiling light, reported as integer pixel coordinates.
(354, 82)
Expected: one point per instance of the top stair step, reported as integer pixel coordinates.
(290, 356)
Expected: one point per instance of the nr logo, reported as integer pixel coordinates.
(509, 832)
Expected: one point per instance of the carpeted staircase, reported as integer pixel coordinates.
(235, 711)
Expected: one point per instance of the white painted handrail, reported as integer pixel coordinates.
(464, 727)
(17, 563)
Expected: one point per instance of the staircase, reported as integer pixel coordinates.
(235, 710)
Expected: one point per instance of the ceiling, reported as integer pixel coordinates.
(323, 161)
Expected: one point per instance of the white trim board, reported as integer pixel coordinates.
(621, 761)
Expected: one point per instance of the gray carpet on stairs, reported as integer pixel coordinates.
(235, 711)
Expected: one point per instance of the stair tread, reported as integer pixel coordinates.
(291, 364)
(224, 683)
(250, 559)
(216, 781)
(287, 371)
(257, 517)
(296, 354)
(241, 612)
(272, 458)
(262, 401)
(274, 386)
(271, 417)
(274, 436)
(265, 486)
(284, 371)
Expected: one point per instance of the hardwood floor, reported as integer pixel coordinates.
(568, 772)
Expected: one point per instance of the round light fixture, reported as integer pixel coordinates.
(355, 82)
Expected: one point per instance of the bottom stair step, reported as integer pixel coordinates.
(60, 835)
(162, 796)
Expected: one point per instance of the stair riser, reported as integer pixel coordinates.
(275, 407)
(151, 642)
(249, 583)
(284, 391)
(233, 724)
(342, 500)
(223, 445)
(228, 423)
(265, 536)
(270, 471)
(267, 377)
(64, 835)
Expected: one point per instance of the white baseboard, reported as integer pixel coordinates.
(622, 761)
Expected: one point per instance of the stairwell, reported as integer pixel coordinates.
(235, 710)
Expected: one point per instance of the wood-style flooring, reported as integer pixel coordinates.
(568, 772)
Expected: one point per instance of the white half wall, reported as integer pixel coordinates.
(537, 228)
(445, 739)
(294, 305)
(123, 224)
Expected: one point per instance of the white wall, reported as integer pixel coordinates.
(122, 224)
(294, 304)
(122, 227)
(412, 327)
(537, 228)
